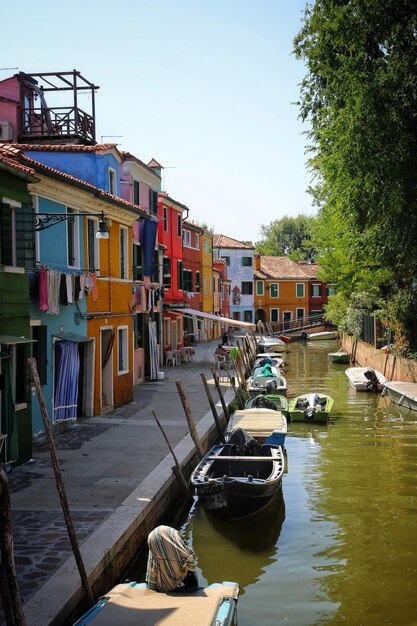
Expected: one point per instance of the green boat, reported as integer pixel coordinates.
(341, 356)
(310, 407)
(274, 401)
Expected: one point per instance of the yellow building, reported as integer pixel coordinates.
(281, 290)
(207, 282)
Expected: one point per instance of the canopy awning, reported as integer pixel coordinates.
(226, 321)
(72, 337)
(10, 340)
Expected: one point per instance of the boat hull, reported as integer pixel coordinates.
(278, 400)
(129, 604)
(271, 345)
(358, 381)
(236, 487)
(339, 357)
(403, 393)
(300, 413)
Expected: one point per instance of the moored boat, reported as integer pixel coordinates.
(235, 480)
(129, 604)
(365, 379)
(266, 385)
(273, 401)
(321, 336)
(402, 393)
(341, 356)
(269, 357)
(271, 344)
(263, 424)
(310, 407)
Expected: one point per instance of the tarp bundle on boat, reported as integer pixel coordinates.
(244, 443)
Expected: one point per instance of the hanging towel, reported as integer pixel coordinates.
(54, 284)
(70, 297)
(43, 289)
(93, 276)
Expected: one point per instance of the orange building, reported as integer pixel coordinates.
(281, 289)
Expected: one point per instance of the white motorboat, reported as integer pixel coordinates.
(402, 393)
(365, 379)
(271, 344)
(321, 336)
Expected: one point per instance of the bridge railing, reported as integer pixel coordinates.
(299, 325)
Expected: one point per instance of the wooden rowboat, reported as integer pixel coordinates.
(341, 356)
(402, 393)
(310, 407)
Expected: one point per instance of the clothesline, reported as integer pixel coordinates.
(54, 288)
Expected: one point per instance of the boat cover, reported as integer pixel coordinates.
(170, 559)
(130, 606)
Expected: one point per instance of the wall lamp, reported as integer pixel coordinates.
(47, 220)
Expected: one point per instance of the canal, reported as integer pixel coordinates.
(339, 546)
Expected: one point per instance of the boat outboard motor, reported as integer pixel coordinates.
(245, 444)
(373, 383)
(312, 400)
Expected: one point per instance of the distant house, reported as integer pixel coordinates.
(281, 290)
(240, 271)
(318, 291)
(192, 241)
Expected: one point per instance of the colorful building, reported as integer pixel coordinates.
(239, 260)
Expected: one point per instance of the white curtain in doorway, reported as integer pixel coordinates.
(67, 372)
(153, 351)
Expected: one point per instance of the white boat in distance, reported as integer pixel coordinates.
(402, 393)
(365, 378)
(271, 344)
(325, 334)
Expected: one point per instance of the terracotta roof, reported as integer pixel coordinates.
(7, 158)
(311, 269)
(280, 267)
(191, 225)
(221, 241)
(70, 147)
(163, 195)
(127, 156)
(14, 152)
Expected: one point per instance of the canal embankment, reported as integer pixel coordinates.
(118, 477)
(390, 365)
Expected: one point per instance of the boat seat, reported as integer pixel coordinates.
(265, 450)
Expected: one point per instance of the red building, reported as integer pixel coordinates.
(192, 281)
(170, 233)
(317, 290)
(222, 301)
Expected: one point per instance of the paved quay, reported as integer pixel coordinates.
(118, 479)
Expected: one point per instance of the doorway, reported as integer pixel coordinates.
(107, 342)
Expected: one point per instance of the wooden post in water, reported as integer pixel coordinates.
(60, 483)
(9, 590)
(190, 419)
(219, 391)
(213, 407)
(178, 473)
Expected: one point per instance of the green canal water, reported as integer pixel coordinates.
(339, 545)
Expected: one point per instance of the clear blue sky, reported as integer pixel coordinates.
(204, 86)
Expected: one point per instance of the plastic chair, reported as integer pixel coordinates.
(220, 363)
(171, 359)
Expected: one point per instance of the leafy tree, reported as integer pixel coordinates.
(289, 236)
(360, 97)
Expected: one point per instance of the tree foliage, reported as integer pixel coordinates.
(289, 236)
(360, 98)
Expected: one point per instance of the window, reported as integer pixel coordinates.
(197, 282)
(274, 291)
(186, 238)
(139, 330)
(204, 245)
(72, 240)
(122, 350)
(17, 245)
(299, 290)
(247, 261)
(179, 225)
(167, 331)
(247, 288)
(274, 314)
(197, 241)
(331, 290)
(123, 252)
(165, 218)
(300, 314)
(112, 181)
(316, 290)
(136, 192)
(92, 244)
(259, 287)
(179, 275)
(188, 280)
(166, 271)
(247, 316)
(153, 202)
(227, 259)
(137, 262)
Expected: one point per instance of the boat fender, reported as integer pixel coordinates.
(401, 400)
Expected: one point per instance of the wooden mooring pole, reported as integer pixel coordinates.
(219, 391)
(190, 419)
(178, 473)
(60, 483)
(9, 590)
(213, 407)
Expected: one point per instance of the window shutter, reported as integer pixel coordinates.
(6, 235)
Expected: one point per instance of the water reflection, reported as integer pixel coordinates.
(241, 550)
